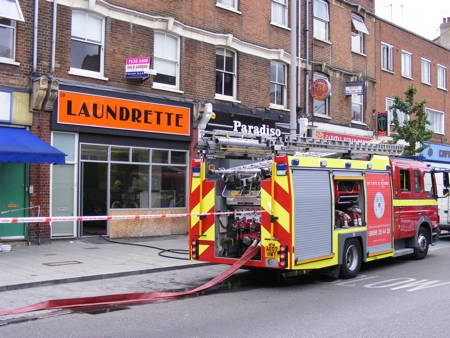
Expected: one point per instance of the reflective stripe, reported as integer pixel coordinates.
(413, 203)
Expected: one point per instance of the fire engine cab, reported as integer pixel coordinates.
(308, 209)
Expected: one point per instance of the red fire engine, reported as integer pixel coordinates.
(308, 212)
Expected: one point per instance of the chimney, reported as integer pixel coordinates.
(444, 36)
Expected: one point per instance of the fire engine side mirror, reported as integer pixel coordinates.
(445, 192)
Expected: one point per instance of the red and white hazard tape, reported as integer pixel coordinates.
(120, 217)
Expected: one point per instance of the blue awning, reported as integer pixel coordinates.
(19, 145)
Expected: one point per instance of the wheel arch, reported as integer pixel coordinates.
(361, 236)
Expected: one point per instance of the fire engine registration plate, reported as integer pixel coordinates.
(271, 250)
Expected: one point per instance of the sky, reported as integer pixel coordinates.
(422, 17)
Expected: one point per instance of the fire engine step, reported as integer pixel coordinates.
(403, 252)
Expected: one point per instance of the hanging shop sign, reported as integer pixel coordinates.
(138, 68)
(382, 123)
(320, 89)
(340, 137)
(436, 152)
(354, 88)
(108, 112)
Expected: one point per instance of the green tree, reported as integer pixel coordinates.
(414, 129)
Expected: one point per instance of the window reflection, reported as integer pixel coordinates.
(129, 186)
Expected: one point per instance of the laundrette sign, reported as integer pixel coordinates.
(107, 112)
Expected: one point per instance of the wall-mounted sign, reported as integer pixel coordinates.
(354, 88)
(108, 112)
(320, 89)
(339, 137)
(382, 123)
(138, 68)
(436, 152)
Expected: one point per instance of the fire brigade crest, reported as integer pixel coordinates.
(379, 205)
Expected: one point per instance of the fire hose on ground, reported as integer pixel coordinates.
(126, 299)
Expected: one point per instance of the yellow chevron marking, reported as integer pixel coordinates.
(195, 219)
(413, 203)
(266, 202)
(283, 216)
(209, 235)
(208, 201)
(283, 182)
(195, 183)
(202, 248)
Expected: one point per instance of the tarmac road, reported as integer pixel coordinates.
(391, 298)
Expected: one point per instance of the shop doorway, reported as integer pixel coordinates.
(94, 179)
(13, 198)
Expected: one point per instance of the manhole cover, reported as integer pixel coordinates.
(61, 263)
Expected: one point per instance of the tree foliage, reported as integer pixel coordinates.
(414, 129)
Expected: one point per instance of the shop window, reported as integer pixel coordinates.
(225, 73)
(405, 182)
(425, 66)
(160, 156)
(168, 186)
(167, 60)
(178, 157)
(94, 152)
(280, 12)
(417, 183)
(87, 44)
(357, 108)
(406, 64)
(387, 57)
(320, 107)
(321, 20)
(278, 79)
(140, 155)
(358, 30)
(129, 186)
(121, 154)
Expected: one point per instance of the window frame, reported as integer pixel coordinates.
(161, 85)
(361, 104)
(233, 8)
(441, 78)
(423, 78)
(85, 72)
(358, 33)
(282, 85)
(405, 74)
(401, 116)
(316, 76)
(285, 4)
(441, 130)
(388, 64)
(325, 21)
(13, 28)
(223, 96)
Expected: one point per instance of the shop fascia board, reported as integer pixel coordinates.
(171, 25)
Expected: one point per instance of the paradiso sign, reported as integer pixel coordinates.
(263, 129)
(108, 112)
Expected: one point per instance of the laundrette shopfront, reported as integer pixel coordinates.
(126, 154)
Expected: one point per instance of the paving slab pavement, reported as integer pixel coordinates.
(64, 261)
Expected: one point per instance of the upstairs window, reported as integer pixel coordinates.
(320, 107)
(321, 20)
(87, 43)
(386, 57)
(225, 73)
(280, 12)
(10, 13)
(436, 119)
(166, 60)
(233, 4)
(402, 117)
(357, 108)
(442, 77)
(358, 30)
(425, 71)
(406, 64)
(278, 83)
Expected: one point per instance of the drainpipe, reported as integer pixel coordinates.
(307, 59)
(299, 53)
(55, 11)
(293, 71)
(35, 34)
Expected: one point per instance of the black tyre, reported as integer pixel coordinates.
(422, 243)
(351, 259)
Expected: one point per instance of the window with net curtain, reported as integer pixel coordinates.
(228, 3)
(279, 12)
(87, 41)
(10, 14)
(225, 72)
(166, 59)
(278, 83)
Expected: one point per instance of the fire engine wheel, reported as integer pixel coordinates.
(351, 259)
(422, 244)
